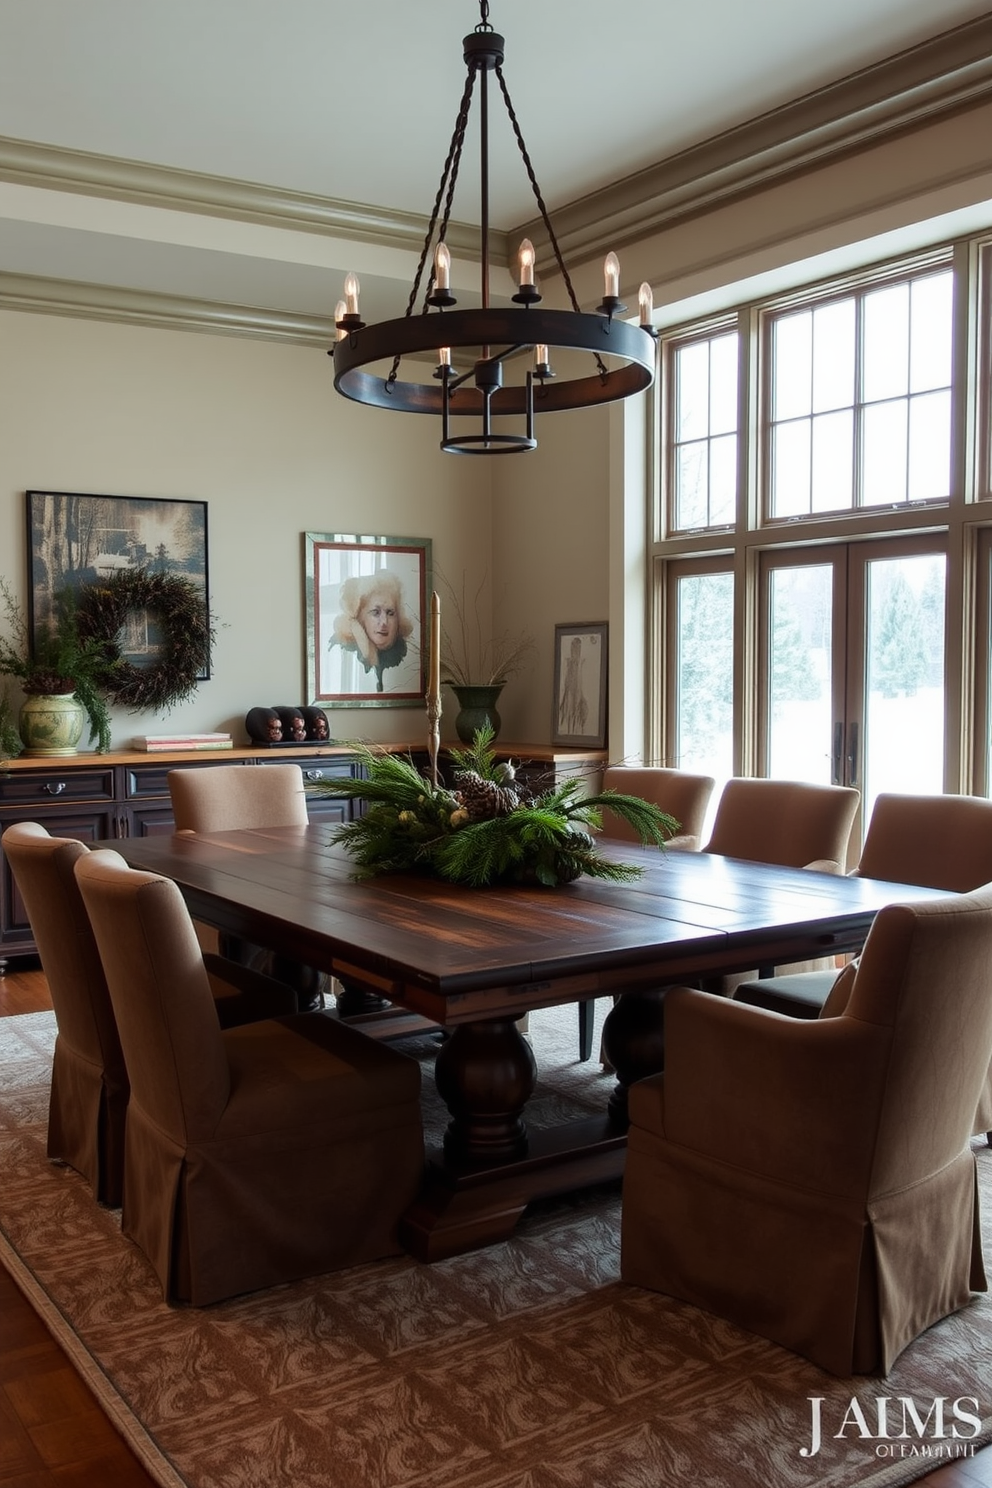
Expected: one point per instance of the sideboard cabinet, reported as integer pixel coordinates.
(103, 797)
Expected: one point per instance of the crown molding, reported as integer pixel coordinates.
(54, 168)
(948, 74)
(36, 295)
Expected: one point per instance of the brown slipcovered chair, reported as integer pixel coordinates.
(683, 796)
(253, 1155)
(89, 1098)
(842, 1220)
(937, 842)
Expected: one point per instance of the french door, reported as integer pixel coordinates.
(851, 665)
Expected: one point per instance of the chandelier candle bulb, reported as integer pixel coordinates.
(442, 266)
(526, 257)
(645, 301)
(340, 311)
(351, 287)
(611, 275)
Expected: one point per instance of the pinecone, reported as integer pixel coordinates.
(484, 799)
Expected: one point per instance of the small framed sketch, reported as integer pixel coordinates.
(75, 541)
(580, 685)
(366, 603)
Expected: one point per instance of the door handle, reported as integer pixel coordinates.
(837, 760)
(852, 754)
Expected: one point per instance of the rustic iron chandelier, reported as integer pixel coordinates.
(491, 337)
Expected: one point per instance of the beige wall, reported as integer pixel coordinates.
(257, 431)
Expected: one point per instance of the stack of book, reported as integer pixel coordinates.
(157, 743)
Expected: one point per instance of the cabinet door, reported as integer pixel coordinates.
(86, 823)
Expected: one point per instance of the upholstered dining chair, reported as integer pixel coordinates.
(842, 1220)
(89, 1097)
(253, 1155)
(681, 795)
(784, 821)
(936, 842)
(225, 798)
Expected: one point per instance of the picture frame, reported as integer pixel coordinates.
(367, 613)
(74, 539)
(580, 670)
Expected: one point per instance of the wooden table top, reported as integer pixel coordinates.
(458, 954)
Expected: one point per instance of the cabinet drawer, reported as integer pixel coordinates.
(42, 789)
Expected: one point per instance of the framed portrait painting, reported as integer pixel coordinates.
(367, 604)
(580, 685)
(78, 540)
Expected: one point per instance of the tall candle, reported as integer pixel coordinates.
(434, 674)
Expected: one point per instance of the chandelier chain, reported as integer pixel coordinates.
(541, 207)
(449, 176)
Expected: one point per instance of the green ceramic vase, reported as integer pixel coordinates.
(477, 705)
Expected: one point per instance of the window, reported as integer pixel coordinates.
(823, 530)
(861, 399)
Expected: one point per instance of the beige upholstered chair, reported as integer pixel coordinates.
(253, 1155)
(785, 821)
(89, 1083)
(842, 1220)
(937, 842)
(683, 796)
(224, 798)
(781, 821)
(678, 792)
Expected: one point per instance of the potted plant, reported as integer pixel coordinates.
(477, 669)
(60, 676)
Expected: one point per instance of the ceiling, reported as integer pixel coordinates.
(350, 107)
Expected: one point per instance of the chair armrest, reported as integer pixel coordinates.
(790, 1099)
(243, 995)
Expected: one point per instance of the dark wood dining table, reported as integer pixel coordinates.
(473, 961)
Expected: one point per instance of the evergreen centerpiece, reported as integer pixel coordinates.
(488, 828)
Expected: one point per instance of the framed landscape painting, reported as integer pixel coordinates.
(366, 609)
(579, 717)
(76, 540)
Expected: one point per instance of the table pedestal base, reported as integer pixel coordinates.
(465, 1208)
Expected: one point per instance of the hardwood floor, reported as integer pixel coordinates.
(53, 1434)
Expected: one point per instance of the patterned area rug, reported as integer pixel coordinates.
(527, 1365)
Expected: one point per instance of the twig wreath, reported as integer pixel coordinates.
(178, 606)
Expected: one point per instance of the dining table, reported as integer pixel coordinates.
(472, 961)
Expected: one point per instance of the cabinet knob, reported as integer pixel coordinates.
(313, 774)
(53, 787)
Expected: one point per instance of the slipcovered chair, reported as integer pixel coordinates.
(937, 842)
(89, 1098)
(226, 798)
(781, 821)
(785, 821)
(683, 796)
(88, 1103)
(842, 1221)
(253, 1155)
